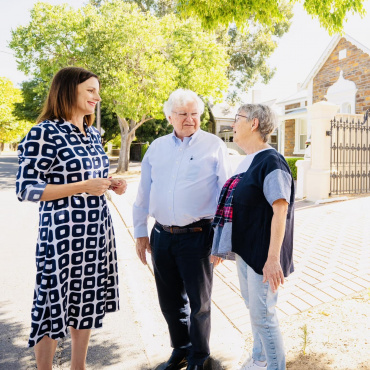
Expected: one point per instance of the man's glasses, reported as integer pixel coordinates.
(185, 115)
(239, 115)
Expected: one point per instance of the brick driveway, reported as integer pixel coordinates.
(331, 256)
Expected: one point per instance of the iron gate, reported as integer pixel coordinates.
(350, 156)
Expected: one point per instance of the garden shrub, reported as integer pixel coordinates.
(291, 163)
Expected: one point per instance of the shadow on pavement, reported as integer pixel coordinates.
(14, 354)
(210, 364)
(101, 354)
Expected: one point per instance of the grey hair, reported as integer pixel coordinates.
(266, 117)
(181, 97)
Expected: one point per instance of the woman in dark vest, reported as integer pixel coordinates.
(258, 202)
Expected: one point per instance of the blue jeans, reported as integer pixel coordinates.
(261, 301)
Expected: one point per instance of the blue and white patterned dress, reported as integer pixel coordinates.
(76, 260)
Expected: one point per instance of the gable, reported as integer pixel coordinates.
(329, 52)
(353, 64)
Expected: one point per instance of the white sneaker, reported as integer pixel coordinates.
(250, 365)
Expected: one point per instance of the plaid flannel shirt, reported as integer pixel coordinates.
(224, 212)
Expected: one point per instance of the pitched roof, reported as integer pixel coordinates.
(325, 55)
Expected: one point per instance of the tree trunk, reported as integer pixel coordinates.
(212, 120)
(127, 136)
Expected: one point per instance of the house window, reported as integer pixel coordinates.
(300, 136)
(273, 140)
(342, 54)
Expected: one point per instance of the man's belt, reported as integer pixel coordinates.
(195, 227)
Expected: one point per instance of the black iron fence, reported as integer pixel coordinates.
(350, 156)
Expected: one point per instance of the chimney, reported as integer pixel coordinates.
(256, 96)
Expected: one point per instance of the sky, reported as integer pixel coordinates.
(296, 55)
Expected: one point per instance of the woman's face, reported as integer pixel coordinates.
(87, 96)
(242, 129)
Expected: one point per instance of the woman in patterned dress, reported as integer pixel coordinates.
(62, 164)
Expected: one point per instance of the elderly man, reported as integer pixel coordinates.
(182, 175)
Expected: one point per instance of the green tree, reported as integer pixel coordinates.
(11, 128)
(139, 57)
(33, 96)
(152, 130)
(108, 124)
(248, 47)
(331, 13)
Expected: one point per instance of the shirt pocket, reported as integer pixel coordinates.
(193, 168)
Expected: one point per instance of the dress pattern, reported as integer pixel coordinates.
(76, 260)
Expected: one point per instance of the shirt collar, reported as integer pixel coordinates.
(70, 127)
(188, 140)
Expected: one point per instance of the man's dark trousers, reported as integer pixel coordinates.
(183, 276)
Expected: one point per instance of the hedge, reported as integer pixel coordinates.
(291, 163)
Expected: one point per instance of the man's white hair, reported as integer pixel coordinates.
(181, 97)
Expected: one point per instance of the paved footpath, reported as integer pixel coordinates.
(332, 259)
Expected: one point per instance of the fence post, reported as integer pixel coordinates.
(318, 176)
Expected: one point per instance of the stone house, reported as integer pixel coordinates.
(341, 76)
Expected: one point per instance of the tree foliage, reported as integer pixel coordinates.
(34, 93)
(331, 13)
(152, 130)
(248, 47)
(11, 128)
(140, 58)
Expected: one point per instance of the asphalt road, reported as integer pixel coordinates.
(8, 171)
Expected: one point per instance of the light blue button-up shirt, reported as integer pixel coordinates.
(180, 180)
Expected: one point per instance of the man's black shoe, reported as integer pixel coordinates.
(195, 367)
(176, 362)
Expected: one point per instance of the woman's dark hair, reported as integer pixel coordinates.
(62, 97)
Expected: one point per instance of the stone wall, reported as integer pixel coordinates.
(355, 67)
(292, 106)
(289, 138)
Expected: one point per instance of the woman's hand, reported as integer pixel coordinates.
(97, 186)
(273, 273)
(119, 186)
